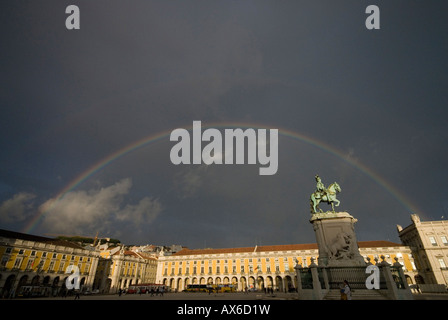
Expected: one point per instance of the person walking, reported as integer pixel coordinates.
(346, 291)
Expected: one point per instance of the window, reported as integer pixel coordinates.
(305, 262)
(444, 240)
(433, 241)
(17, 263)
(29, 264)
(4, 261)
(442, 264)
(8, 250)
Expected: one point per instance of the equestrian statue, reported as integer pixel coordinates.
(323, 194)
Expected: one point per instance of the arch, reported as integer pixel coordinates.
(118, 285)
(289, 285)
(83, 281)
(234, 281)
(419, 279)
(55, 282)
(202, 281)
(278, 283)
(243, 283)
(179, 284)
(260, 283)
(8, 286)
(210, 280)
(218, 280)
(226, 280)
(46, 280)
(269, 282)
(252, 284)
(64, 282)
(35, 281)
(108, 285)
(22, 282)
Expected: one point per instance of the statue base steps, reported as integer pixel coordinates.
(358, 294)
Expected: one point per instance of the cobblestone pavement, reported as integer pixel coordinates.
(213, 296)
(183, 296)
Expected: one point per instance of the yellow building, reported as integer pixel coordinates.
(119, 269)
(428, 241)
(33, 265)
(260, 267)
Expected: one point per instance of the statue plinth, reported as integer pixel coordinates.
(336, 239)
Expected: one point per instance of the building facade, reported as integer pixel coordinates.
(428, 241)
(121, 268)
(34, 265)
(261, 267)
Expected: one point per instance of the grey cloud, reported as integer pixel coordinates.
(98, 209)
(17, 208)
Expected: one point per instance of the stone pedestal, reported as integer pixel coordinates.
(336, 239)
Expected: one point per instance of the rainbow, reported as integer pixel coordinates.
(165, 134)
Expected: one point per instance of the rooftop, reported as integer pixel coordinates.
(29, 237)
(285, 247)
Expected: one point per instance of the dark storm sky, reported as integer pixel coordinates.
(135, 69)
